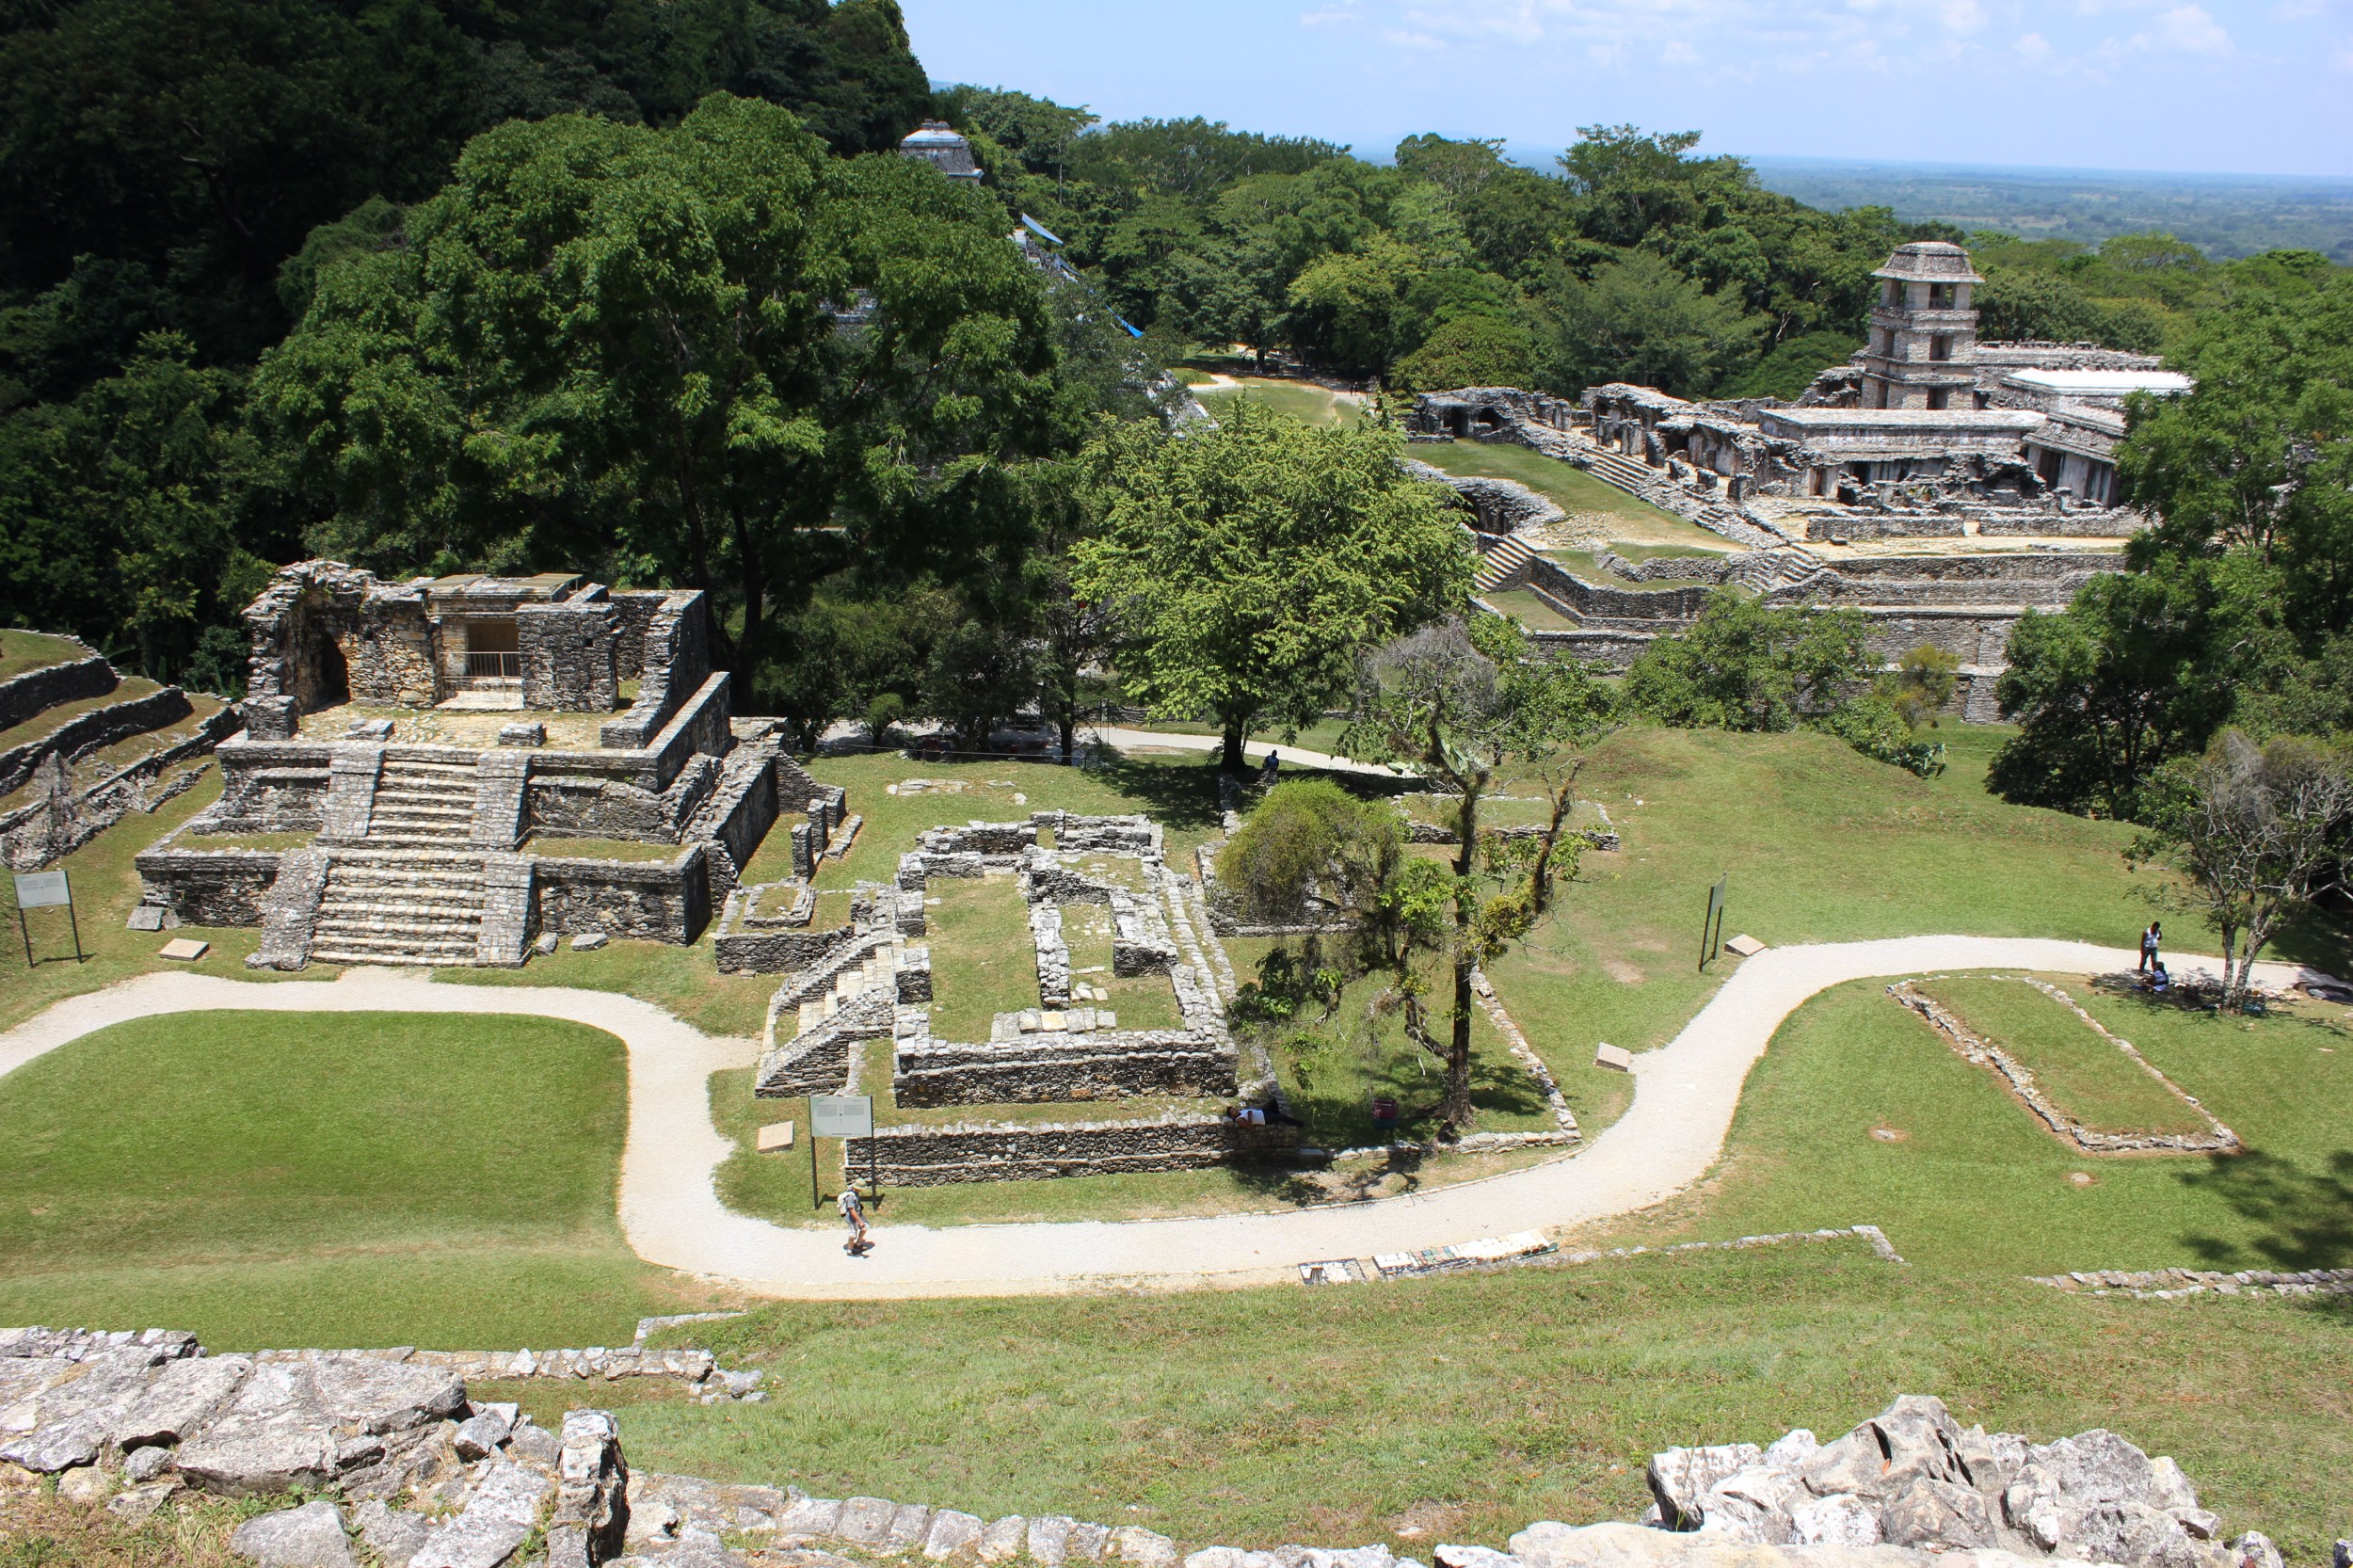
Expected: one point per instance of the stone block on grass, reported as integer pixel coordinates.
(1004, 1539)
(311, 1536)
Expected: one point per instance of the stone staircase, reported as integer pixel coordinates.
(878, 969)
(1504, 559)
(400, 905)
(423, 804)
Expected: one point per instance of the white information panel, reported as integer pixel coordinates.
(41, 889)
(841, 1116)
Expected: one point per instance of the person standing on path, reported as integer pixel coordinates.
(2149, 940)
(854, 1211)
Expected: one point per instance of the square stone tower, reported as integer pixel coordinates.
(1924, 331)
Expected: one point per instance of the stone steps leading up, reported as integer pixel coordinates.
(423, 804)
(389, 906)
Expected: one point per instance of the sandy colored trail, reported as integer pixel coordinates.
(1684, 1096)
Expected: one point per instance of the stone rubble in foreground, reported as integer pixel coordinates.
(403, 1468)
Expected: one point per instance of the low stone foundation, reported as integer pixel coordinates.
(1013, 1151)
(1099, 1065)
(767, 930)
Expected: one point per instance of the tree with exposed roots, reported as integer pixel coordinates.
(1248, 565)
(2258, 834)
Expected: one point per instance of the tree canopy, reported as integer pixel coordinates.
(1247, 566)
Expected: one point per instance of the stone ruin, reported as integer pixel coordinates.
(1912, 1477)
(391, 1447)
(873, 980)
(387, 721)
(1927, 436)
(72, 780)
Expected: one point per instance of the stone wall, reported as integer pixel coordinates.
(1884, 525)
(1099, 1064)
(662, 903)
(568, 653)
(674, 661)
(36, 691)
(269, 786)
(214, 887)
(766, 930)
(2076, 523)
(100, 726)
(1498, 505)
(1588, 601)
(1008, 1151)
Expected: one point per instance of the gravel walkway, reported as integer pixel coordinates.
(1685, 1094)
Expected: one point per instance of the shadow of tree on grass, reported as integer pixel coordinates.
(2303, 1218)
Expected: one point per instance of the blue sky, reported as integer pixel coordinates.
(2220, 86)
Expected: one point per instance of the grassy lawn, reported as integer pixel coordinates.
(983, 961)
(1462, 1408)
(1575, 491)
(105, 888)
(271, 1179)
(49, 720)
(23, 651)
(1977, 1183)
(1523, 605)
(1300, 399)
(2084, 1074)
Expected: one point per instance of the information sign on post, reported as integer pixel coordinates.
(1712, 928)
(45, 891)
(840, 1116)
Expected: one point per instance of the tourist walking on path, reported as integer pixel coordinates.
(2148, 948)
(854, 1211)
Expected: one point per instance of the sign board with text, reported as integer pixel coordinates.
(841, 1116)
(43, 889)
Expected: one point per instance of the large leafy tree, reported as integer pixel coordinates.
(686, 355)
(1250, 564)
(2107, 689)
(117, 517)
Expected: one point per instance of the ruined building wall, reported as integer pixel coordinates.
(568, 652)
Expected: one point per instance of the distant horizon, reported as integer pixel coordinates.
(2120, 88)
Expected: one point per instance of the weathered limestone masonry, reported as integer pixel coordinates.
(432, 847)
(873, 982)
(397, 1451)
(68, 797)
(2022, 1082)
(53, 685)
(2165, 1285)
(1928, 435)
(922, 1156)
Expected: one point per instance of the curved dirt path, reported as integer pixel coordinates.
(1684, 1096)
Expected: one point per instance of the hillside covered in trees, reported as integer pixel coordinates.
(647, 292)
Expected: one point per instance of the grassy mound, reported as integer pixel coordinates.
(272, 1179)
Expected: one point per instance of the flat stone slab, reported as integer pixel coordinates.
(1744, 945)
(186, 948)
(311, 1536)
(146, 917)
(1616, 1058)
(775, 1137)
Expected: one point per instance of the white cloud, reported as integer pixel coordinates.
(2188, 30)
(2033, 48)
(1962, 17)
(2297, 10)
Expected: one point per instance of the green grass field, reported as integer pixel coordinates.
(1523, 605)
(269, 1178)
(1300, 399)
(1575, 491)
(1460, 1409)
(1977, 1183)
(23, 651)
(2085, 1074)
